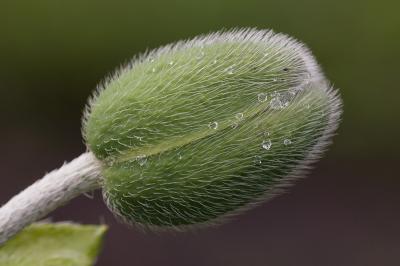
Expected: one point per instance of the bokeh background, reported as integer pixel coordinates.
(53, 53)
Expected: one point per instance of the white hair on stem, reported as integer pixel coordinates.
(48, 193)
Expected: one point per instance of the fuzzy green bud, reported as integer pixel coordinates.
(197, 130)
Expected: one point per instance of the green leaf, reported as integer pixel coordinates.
(45, 244)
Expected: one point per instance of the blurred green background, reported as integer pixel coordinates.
(54, 53)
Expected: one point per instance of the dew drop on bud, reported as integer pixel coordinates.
(213, 125)
(287, 142)
(200, 55)
(262, 97)
(266, 144)
(229, 70)
(276, 103)
(257, 160)
(239, 116)
(141, 159)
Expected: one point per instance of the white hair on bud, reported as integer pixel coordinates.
(241, 35)
(244, 36)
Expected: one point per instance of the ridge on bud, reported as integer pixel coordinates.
(198, 130)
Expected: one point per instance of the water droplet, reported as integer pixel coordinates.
(287, 142)
(293, 91)
(266, 144)
(229, 70)
(266, 54)
(286, 98)
(276, 103)
(200, 55)
(179, 156)
(266, 133)
(239, 116)
(234, 125)
(141, 159)
(308, 106)
(262, 97)
(151, 59)
(138, 138)
(213, 125)
(171, 63)
(275, 79)
(257, 160)
(214, 61)
(153, 69)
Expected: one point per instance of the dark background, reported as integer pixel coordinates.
(53, 53)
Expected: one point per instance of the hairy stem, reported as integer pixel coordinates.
(52, 191)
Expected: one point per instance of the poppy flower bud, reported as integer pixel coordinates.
(198, 130)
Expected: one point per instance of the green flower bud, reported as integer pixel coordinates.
(198, 130)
